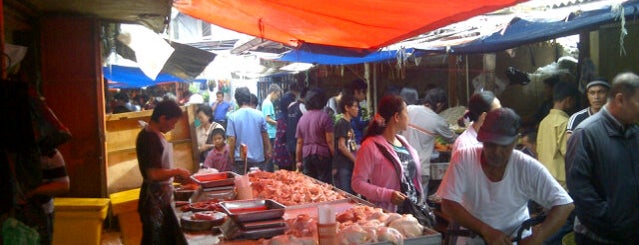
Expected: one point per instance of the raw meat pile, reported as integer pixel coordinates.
(357, 225)
(208, 215)
(364, 224)
(291, 188)
(211, 205)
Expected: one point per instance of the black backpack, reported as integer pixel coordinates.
(294, 115)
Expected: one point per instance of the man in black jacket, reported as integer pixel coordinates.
(602, 163)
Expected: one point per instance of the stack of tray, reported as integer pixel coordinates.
(215, 181)
(253, 219)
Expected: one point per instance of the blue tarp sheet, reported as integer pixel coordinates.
(521, 32)
(133, 77)
(326, 59)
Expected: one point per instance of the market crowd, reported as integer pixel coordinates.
(573, 173)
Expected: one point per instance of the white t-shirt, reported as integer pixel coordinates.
(467, 139)
(424, 126)
(503, 204)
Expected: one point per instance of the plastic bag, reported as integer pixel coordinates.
(16, 232)
(422, 213)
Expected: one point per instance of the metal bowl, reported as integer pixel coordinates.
(188, 223)
(183, 194)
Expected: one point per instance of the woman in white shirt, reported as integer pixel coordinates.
(204, 114)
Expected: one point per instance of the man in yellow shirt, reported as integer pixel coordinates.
(551, 135)
(551, 143)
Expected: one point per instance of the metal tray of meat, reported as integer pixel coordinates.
(211, 180)
(233, 231)
(253, 210)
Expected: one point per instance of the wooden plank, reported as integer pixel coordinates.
(191, 115)
(72, 89)
(121, 132)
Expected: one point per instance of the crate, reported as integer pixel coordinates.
(79, 220)
(125, 206)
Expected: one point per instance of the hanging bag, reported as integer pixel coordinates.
(423, 212)
(15, 232)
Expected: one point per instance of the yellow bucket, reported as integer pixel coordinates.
(79, 220)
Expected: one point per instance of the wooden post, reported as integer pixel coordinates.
(191, 115)
(452, 81)
(3, 61)
(368, 75)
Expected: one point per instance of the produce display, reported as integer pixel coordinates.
(291, 188)
(452, 114)
(441, 144)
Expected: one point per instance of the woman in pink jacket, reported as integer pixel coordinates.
(383, 154)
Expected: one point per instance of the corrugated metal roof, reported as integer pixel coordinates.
(553, 4)
(151, 13)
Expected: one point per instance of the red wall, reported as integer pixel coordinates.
(71, 83)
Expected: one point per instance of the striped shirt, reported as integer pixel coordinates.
(53, 170)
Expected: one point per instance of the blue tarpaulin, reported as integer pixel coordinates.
(133, 77)
(326, 59)
(520, 31)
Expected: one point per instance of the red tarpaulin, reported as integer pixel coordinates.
(362, 25)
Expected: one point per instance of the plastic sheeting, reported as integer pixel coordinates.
(330, 26)
(525, 31)
(327, 59)
(133, 77)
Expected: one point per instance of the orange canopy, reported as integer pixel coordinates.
(364, 25)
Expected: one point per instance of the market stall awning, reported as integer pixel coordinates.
(336, 26)
(327, 59)
(133, 77)
(155, 55)
(537, 27)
